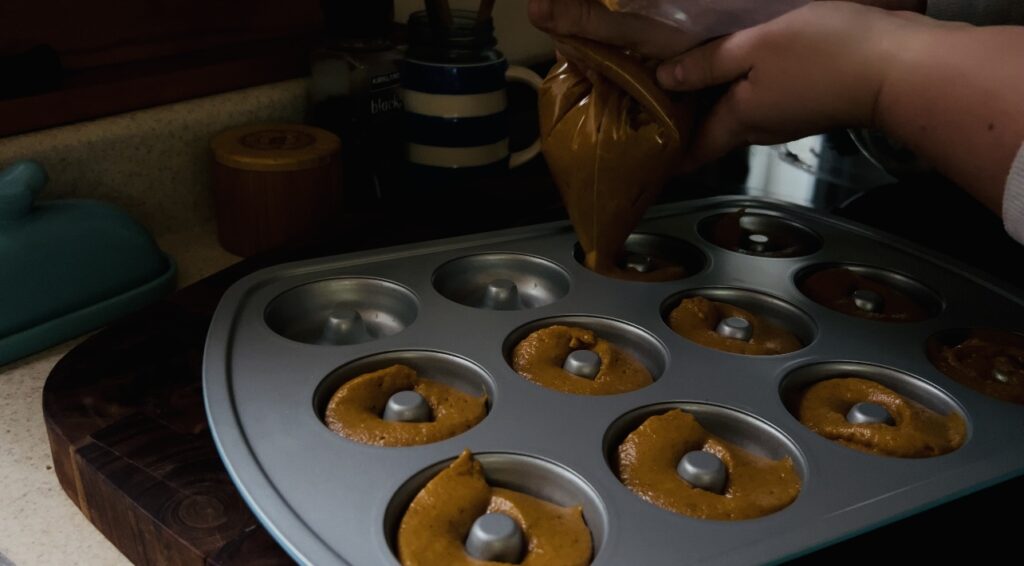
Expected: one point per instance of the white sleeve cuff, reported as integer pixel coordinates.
(1013, 199)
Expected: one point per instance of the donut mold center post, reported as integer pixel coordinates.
(869, 413)
(735, 327)
(639, 263)
(495, 537)
(703, 470)
(345, 326)
(758, 243)
(407, 407)
(583, 363)
(868, 301)
(502, 295)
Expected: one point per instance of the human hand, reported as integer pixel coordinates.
(815, 69)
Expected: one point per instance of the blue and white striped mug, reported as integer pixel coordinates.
(454, 95)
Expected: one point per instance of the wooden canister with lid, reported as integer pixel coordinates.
(274, 185)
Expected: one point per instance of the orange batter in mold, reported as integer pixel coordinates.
(539, 357)
(917, 432)
(988, 361)
(355, 409)
(697, 318)
(834, 289)
(647, 459)
(437, 522)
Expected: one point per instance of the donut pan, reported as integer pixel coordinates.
(274, 356)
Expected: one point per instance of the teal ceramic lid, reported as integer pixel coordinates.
(68, 266)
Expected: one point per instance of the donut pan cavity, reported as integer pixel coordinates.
(268, 373)
(916, 290)
(762, 234)
(643, 248)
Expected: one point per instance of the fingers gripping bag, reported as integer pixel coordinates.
(612, 138)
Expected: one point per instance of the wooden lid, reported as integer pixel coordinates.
(274, 147)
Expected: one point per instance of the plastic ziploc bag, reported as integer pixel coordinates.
(611, 138)
(704, 19)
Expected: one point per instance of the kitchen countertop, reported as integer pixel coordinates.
(38, 523)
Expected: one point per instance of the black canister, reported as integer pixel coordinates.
(354, 94)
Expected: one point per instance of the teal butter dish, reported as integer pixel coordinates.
(68, 266)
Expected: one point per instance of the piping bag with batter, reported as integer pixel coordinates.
(612, 138)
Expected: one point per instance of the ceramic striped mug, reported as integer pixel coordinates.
(456, 114)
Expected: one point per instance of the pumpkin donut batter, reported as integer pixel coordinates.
(647, 459)
(539, 358)
(437, 522)
(834, 287)
(696, 319)
(354, 410)
(918, 432)
(988, 361)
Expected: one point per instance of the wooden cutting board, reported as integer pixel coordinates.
(131, 447)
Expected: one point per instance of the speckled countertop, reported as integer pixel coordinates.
(154, 163)
(38, 523)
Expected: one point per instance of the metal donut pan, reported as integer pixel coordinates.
(328, 500)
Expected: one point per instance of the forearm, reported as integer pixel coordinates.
(956, 97)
